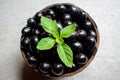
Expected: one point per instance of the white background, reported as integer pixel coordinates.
(13, 16)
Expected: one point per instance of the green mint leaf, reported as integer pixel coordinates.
(46, 43)
(67, 31)
(65, 54)
(50, 26)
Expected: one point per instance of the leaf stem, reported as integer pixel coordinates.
(59, 40)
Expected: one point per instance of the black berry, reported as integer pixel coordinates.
(57, 69)
(44, 67)
(83, 15)
(66, 17)
(87, 25)
(31, 22)
(92, 33)
(38, 16)
(33, 43)
(77, 46)
(25, 42)
(36, 32)
(50, 13)
(67, 22)
(60, 26)
(61, 8)
(81, 58)
(74, 10)
(90, 43)
(32, 61)
(27, 31)
(82, 33)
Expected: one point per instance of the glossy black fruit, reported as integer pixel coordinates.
(67, 22)
(83, 16)
(44, 67)
(32, 61)
(74, 35)
(60, 26)
(57, 69)
(90, 43)
(73, 67)
(27, 31)
(50, 17)
(74, 10)
(81, 58)
(33, 43)
(66, 17)
(31, 22)
(88, 25)
(25, 42)
(36, 32)
(61, 8)
(71, 39)
(80, 18)
(82, 34)
(92, 33)
(77, 46)
(38, 16)
(28, 54)
(50, 13)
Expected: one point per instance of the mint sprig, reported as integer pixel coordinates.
(64, 51)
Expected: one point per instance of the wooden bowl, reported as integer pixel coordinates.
(93, 52)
